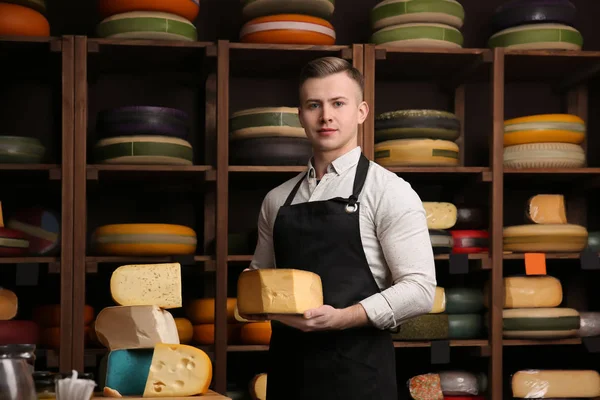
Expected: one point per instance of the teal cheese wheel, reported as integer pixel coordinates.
(540, 323)
(143, 150)
(419, 35)
(21, 150)
(463, 300)
(396, 12)
(440, 326)
(265, 122)
(441, 241)
(127, 370)
(416, 124)
(147, 25)
(538, 37)
(260, 8)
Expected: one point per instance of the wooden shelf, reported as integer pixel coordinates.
(265, 168)
(119, 259)
(554, 171)
(481, 174)
(549, 256)
(28, 260)
(241, 348)
(453, 343)
(126, 172)
(549, 342)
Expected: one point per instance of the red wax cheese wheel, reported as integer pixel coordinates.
(16, 20)
(19, 332)
(12, 243)
(187, 9)
(288, 29)
(256, 333)
(205, 333)
(41, 228)
(9, 304)
(202, 311)
(470, 241)
(48, 315)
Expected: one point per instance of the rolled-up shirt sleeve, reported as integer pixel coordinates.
(264, 255)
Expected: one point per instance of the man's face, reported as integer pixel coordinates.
(330, 111)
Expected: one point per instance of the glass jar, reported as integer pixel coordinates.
(16, 369)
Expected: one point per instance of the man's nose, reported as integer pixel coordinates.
(326, 114)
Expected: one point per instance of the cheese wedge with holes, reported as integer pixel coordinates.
(147, 284)
(278, 291)
(440, 215)
(529, 292)
(538, 384)
(135, 327)
(439, 301)
(547, 209)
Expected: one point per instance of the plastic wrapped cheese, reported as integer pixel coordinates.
(537, 384)
(462, 383)
(589, 324)
(547, 209)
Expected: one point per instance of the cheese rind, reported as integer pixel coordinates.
(258, 387)
(135, 327)
(556, 383)
(278, 291)
(547, 209)
(439, 301)
(147, 284)
(440, 215)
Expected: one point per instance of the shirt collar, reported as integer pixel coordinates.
(340, 164)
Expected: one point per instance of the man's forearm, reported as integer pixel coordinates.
(354, 316)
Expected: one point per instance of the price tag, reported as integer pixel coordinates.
(535, 263)
(440, 352)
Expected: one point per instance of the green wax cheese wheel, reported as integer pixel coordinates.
(260, 8)
(396, 12)
(37, 5)
(143, 150)
(465, 326)
(266, 122)
(21, 150)
(540, 323)
(441, 241)
(419, 35)
(147, 25)
(416, 124)
(463, 300)
(440, 326)
(594, 241)
(538, 37)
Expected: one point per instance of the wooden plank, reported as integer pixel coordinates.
(210, 395)
(369, 73)
(459, 111)
(358, 63)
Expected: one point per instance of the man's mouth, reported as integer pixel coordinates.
(326, 131)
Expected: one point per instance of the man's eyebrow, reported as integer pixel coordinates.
(332, 99)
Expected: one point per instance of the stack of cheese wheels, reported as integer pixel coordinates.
(288, 22)
(21, 150)
(148, 19)
(40, 226)
(544, 141)
(146, 354)
(549, 230)
(554, 384)
(268, 136)
(23, 18)
(15, 331)
(417, 23)
(201, 313)
(143, 135)
(144, 240)
(47, 317)
(448, 385)
(417, 138)
(535, 25)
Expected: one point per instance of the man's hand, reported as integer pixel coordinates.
(326, 318)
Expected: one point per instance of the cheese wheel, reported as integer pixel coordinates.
(265, 122)
(149, 25)
(540, 323)
(594, 241)
(288, 29)
(440, 326)
(529, 292)
(462, 300)
(19, 149)
(439, 301)
(547, 128)
(416, 124)
(260, 8)
(258, 387)
(516, 13)
(9, 304)
(538, 37)
(257, 333)
(544, 155)
(440, 215)
(547, 384)
(13, 243)
(204, 334)
(547, 209)
(143, 284)
(589, 324)
(185, 330)
(469, 241)
(416, 152)
(162, 150)
(48, 315)
(18, 20)
(37, 5)
(419, 35)
(187, 9)
(19, 332)
(202, 311)
(545, 238)
(40, 226)
(470, 218)
(441, 241)
(396, 12)
(142, 121)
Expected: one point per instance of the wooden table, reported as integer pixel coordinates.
(209, 396)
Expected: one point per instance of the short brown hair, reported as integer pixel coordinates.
(325, 66)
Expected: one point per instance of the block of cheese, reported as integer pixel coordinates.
(9, 304)
(537, 384)
(135, 327)
(278, 291)
(258, 387)
(547, 209)
(147, 284)
(440, 215)
(540, 323)
(439, 301)
(529, 292)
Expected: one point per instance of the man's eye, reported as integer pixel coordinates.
(339, 103)
(313, 105)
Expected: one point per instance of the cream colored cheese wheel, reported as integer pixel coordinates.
(544, 155)
(529, 292)
(545, 238)
(546, 384)
(416, 152)
(540, 323)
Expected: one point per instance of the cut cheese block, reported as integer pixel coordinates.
(270, 151)
(147, 284)
(149, 25)
(19, 332)
(440, 215)
(546, 128)
(185, 330)
(548, 384)
(202, 311)
(441, 241)
(19, 149)
(258, 387)
(144, 239)
(163, 150)
(13, 243)
(416, 152)
(9, 304)
(540, 323)
(417, 124)
(439, 301)
(278, 291)
(142, 121)
(589, 324)
(41, 228)
(258, 333)
(440, 326)
(265, 122)
(19, 20)
(288, 29)
(545, 238)
(260, 8)
(37, 5)
(48, 315)
(396, 12)
(463, 300)
(425, 387)
(419, 35)
(204, 334)
(547, 209)
(519, 12)
(135, 327)
(594, 241)
(462, 383)
(187, 9)
(529, 292)
(538, 37)
(469, 241)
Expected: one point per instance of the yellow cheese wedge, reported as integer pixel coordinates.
(440, 215)
(178, 370)
(258, 387)
(539, 384)
(278, 291)
(545, 238)
(547, 209)
(9, 304)
(439, 301)
(529, 292)
(147, 284)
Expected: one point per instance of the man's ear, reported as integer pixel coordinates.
(300, 116)
(363, 112)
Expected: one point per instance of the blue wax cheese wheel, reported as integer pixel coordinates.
(540, 323)
(419, 34)
(522, 12)
(260, 8)
(441, 241)
(21, 150)
(416, 152)
(147, 25)
(144, 150)
(265, 122)
(538, 37)
(396, 12)
(544, 155)
(416, 124)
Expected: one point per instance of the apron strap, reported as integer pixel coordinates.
(288, 201)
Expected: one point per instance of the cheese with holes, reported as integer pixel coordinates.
(537, 384)
(9, 304)
(258, 387)
(440, 215)
(529, 292)
(135, 327)
(278, 291)
(147, 284)
(547, 209)
(439, 301)
(178, 370)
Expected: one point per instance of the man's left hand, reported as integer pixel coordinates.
(326, 318)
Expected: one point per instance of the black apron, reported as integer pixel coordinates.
(358, 363)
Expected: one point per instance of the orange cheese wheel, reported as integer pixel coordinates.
(187, 9)
(17, 20)
(288, 29)
(9, 304)
(50, 337)
(202, 311)
(48, 315)
(205, 333)
(185, 330)
(256, 333)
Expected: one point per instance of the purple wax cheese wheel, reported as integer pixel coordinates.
(521, 12)
(142, 120)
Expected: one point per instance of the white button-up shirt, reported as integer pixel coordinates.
(393, 229)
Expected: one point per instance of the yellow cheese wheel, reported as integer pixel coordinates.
(50, 337)
(439, 301)
(202, 311)
(9, 304)
(545, 238)
(205, 333)
(416, 152)
(48, 315)
(256, 333)
(562, 128)
(529, 292)
(185, 330)
(258, 387)
(540, 384)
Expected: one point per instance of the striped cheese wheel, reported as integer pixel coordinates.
(545, 238)
(142, 120)
(21, 150)
(40, 226)
(544, 155)
(261, 8)
(439, 301)
(18, 20)
(265, 122)
(529, 292)
(187, 9)
(147, 25)
(144, 150)
(562, 128)
(556, 384)
(13, 243)
(416, 152)
(538, 37)
(258, 333)
(589, 325)
(37, 5)
(144, 239)
(396, 12)
(419, 35)
(416, 124)
(441, 241)
(469, 241)
(540, 323)
(288, 29)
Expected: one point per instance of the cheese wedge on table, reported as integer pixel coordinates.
(135, 327)
(547, 209)
(537, 384)
(147, 284)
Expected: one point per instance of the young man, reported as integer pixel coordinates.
(364, 231)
